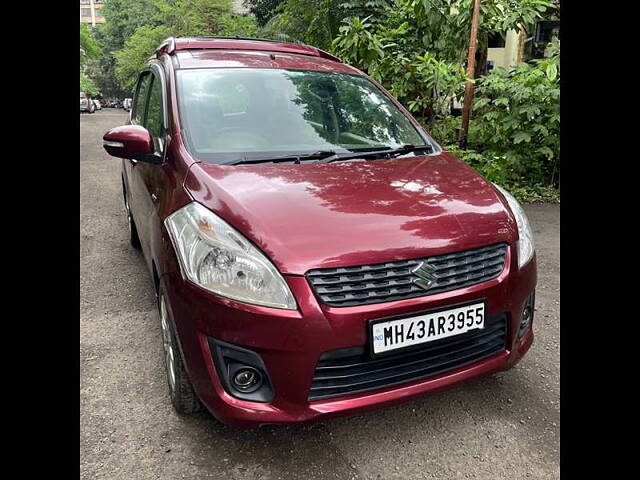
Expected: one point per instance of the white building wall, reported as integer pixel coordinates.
(508, 56)
(238, 7)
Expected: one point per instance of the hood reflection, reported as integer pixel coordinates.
(317, 215)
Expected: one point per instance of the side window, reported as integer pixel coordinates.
(154, 122)
(140, 100)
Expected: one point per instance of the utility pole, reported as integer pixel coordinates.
(471, 64)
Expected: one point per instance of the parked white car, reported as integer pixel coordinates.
(86, 104)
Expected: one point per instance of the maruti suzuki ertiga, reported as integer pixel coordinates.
(315, 252)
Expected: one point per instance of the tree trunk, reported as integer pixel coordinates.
(468, 89)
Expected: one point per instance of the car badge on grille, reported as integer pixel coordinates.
(424, 272)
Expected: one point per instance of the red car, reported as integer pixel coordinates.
(314, 251)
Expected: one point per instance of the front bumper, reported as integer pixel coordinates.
(290, 343)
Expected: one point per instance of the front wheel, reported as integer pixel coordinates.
(183, 397)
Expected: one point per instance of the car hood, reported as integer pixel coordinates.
(312, 215)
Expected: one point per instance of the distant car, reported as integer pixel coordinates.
(127, 104)
(86, 104)
(97, 104)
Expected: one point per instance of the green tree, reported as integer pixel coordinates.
(263, 10)
(133, 56)
(315, 22)
(122, 19)
(193, 17)
(178, 18)
(517, 116)
(88, 86)
(418, 51)
(89, 47)
(322, 17)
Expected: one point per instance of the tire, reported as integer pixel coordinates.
(134, 239)
(184, 399)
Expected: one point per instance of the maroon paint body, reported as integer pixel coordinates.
(307, 216)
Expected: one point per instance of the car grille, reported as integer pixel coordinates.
(385, 282)
(352, 370)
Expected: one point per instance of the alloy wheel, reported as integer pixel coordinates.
(169, 354)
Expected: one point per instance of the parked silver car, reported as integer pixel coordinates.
(86, 104)
(97, 104)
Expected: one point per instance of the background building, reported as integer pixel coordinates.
(238, 7)
(514, 47)
(90, 12)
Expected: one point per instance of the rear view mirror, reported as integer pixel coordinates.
(130, 142)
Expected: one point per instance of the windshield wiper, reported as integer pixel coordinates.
(319, 155)
(386, 153)
(328, 156)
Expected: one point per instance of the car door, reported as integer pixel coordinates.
(134, 186)
(151, 179)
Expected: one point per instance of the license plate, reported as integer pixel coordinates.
(387, 335)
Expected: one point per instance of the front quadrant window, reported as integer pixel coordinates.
(141, 98)
(154, 122)
(257, 112)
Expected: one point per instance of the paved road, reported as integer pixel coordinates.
(506, 426)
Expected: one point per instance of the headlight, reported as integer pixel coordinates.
(216, 257)
(525, 246)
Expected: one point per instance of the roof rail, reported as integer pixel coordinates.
(173, 44)
(236, 37)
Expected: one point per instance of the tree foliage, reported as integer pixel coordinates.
(133, 56)
(88, 86)
(263, 10)
(89, 47)
(177, 18)
(315, 22)
(517, 116)
(122, 18)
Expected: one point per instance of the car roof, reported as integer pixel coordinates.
(226, 52)
(246, 59)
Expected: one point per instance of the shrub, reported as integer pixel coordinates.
(517, 116)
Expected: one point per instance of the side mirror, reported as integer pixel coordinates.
(131, 142)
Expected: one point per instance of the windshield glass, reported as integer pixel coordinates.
(231, 113)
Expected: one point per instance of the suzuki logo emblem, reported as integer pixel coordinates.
(425, 273)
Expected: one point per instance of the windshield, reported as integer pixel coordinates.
(234, 113)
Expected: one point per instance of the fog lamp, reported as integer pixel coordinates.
(527, 315)
(247, 379)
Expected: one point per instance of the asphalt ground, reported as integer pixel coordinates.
(506, 426)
